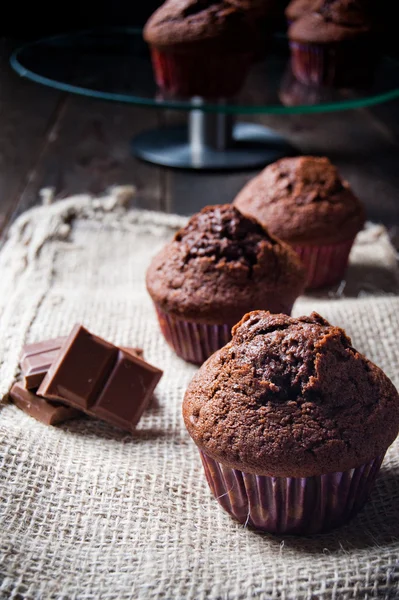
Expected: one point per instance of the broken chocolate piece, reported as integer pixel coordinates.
(39, 347)
(49, 413)
(100, 379)
(37, 358)
(34, 367)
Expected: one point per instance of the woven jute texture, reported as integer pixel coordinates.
(90, 512)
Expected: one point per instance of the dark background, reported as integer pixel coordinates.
(30, 20)
(26, 21)
(36, 18)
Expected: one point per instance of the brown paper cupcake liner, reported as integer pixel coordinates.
(290, 505)
(194, 342)
(198, 74)
(325, 265)
(348, 64)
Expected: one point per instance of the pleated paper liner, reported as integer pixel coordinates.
(325, 265)
(290, 505)
(348, 64)
(202, 74)
(192, 341)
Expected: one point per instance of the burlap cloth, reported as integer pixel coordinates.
(90, 512)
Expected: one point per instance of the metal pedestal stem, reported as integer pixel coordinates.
(211, 141)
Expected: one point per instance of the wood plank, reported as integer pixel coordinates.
(187, 192)
(88, 150)
(84, 146)
(355, 140)
(26, 114)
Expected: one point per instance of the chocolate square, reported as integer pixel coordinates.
(80, 370)
(127, 391)
(100, 379)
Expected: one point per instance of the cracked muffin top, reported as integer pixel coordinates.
(291, 398)
(220, 266)
(333, 21)
(228, 23)
(297, 8)
(303, 200)
(353, 13)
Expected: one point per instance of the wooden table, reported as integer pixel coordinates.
(74, 144)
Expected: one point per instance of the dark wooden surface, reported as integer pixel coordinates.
(75, 144)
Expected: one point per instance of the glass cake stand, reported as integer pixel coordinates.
(114, 64)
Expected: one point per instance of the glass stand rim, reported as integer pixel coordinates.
(228, 107)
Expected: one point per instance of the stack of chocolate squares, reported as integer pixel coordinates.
(67, 377)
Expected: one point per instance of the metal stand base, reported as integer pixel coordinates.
(211, 142)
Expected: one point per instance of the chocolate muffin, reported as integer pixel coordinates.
(217, 268)
(298, 8)
(304, 202)
(334, 45)
(292, 423)
(203, 47)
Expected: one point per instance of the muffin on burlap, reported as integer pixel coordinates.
(203, 47)
(217, 268)
(304, 202)
(292, 423)
(334, 45)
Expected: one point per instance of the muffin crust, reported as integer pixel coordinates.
(297, 8)
(333, 21)
(179, 24)
(291, 398)
(303, 200)
(221, 265)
